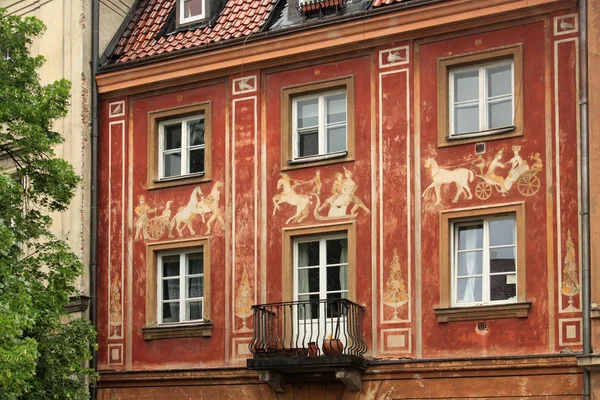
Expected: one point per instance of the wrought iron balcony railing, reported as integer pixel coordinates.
(308, 328)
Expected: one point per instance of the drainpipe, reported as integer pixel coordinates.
(94, 189)
(585, 194)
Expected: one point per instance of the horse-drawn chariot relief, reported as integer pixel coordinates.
(154, 228)
(489, 176)
(342, 196)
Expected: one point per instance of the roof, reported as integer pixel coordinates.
(147, 31)
(141, 37)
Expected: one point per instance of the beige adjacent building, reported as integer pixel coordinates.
(67, 45)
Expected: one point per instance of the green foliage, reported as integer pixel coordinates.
(42, 352)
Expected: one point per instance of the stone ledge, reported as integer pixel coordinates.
(77, 304)
(590, 362)
(481, 313)
(202, 329)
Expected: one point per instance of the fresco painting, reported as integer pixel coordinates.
(395, 295)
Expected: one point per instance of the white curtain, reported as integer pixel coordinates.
(344, 260)
(471, 261)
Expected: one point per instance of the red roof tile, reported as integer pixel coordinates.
(379, 3)
(238, 18)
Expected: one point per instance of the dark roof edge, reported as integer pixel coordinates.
(261, 35)
(105, 57)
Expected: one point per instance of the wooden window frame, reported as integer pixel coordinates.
(447, 64)
(181, 20)
(153, 329)
(155, 119)
(288, 94)
(446, 312)
(290, 235)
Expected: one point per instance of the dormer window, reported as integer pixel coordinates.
(191, 11)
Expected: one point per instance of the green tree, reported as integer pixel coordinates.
(43, 353)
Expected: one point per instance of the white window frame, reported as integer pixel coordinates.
(322, 126)
(184, 20)
(485, 272)
(185, 148)
(183, 282)
(483, 99)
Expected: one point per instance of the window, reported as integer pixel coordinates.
(180, 286)
(480, 96)
(181, 147)
(482, 264)
(191, 10)
(318, 123)
(179, 151)
(177, 290)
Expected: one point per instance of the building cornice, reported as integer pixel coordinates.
(331, 39)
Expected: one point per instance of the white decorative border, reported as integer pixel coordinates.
(115, 347)
(116, 103)
(406, 59)
(559, 241)
(561, 339)
(559, 19)
(244, 80)
(237, 341)
(122, 219)
(408, 202)
(233, 207)
(408, 348)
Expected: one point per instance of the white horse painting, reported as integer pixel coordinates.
(440, 176)
(185, 215)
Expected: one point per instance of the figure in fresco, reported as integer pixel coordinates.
(211, 204)
(155, 227)
(185, 215)
(518, 167)
(336, 190)
(141, 211)
(316, 184)
(343, 194)
(491, 171)
(288, 195)
(570, 283)
(441, 176)
(395, 295)
(537, 161)
(479, 163)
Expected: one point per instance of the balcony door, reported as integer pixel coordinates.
(320, 277)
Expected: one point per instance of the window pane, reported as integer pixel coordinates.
(466, 119)
(196, 132)
(470, 263)
(172, 164)
(196, 161)
(500, 114)
(170, 312)
(309, 144)
(170, 265)
(337, 278)
(170, 289)
(195, 287)
(502, 259)
(336, 108)
(469, 290)
(172, 136)
(466, 85)
(192, 8)
(195, 263)
(308, 254)
(336, 139)
(503, 287)
(335, 308)
(499, 80)
(193, 311)
(470, 237)
(308, 310)
(337, 251)
(502, 232)
(308, 280)
(308, 112)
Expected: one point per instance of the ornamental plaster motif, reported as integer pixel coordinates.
(244, 300)
(343, 191)
(395, 296)
(488, 175)
(570, 281)
(115, 312)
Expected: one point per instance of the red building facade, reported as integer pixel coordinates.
(419, 159)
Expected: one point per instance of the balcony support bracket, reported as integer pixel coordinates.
(350, 378)
(273, 379)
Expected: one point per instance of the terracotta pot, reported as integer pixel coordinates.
(333, 347)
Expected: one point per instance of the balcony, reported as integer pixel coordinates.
(313, 339)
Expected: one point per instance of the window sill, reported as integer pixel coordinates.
(341, 156)
(480, 313)
(179, 180)
(201, 329)
(473, 137)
